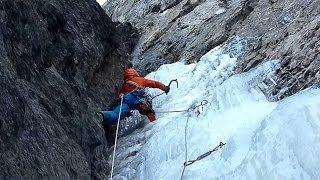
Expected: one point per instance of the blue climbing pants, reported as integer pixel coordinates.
(131, 101)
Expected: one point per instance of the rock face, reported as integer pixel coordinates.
(59, 62)
(183, 30)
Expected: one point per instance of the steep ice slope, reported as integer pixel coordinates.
(265, 140)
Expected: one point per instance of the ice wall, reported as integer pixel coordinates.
(265, 140)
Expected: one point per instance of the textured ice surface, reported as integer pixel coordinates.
(265, 140)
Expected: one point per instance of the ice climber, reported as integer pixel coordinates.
(134, 98)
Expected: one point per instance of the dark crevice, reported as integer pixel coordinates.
(175, 3)
(216, 42)
(254, 64)
(246, 10)
(188, 7)
(156, 8)
(223, 3)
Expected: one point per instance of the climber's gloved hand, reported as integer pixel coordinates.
(167, 89)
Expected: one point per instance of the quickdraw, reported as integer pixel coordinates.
(188, 163)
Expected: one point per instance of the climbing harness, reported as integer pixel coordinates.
(189, 162)
(115, 141)
(174, 80)
(136, 85)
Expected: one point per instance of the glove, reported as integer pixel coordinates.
(167, 89)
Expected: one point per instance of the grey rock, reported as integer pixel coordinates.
(59, 62)
(184, 30)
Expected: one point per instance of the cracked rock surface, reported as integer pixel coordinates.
(184, 30)
(59, 62)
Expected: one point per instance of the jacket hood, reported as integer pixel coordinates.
(129, 73)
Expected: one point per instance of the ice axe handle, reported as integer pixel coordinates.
(174, 80)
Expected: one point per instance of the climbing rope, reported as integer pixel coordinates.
(202, 104)
(185, 147)
(186, 162)
(115, 141)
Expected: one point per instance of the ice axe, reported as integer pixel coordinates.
(174, 80)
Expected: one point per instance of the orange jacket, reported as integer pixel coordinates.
(131, 83)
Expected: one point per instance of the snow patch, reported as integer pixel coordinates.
(220, 11)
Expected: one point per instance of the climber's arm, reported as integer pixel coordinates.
(154, 84)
